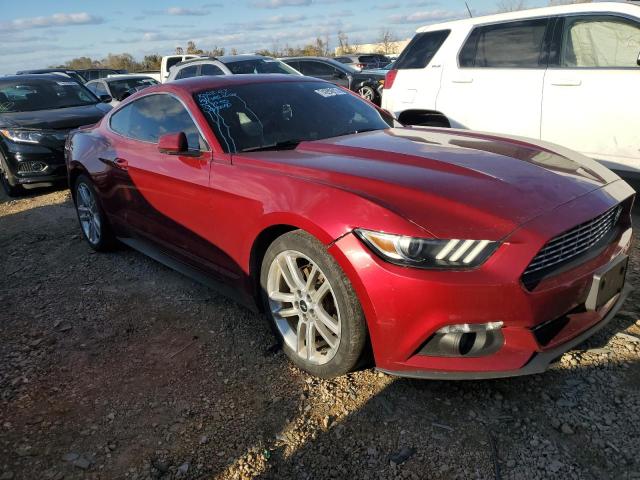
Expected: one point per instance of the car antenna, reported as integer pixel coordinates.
(468, 9)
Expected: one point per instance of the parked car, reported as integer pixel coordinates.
(368, 84)
(73, 74)
(365, 61)
(169, 61)
(36, 114)
(454, 254)
(98, 73)
(120, 86)
(566, 74)
(228, 65)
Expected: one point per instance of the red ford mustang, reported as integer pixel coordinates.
(453, 254)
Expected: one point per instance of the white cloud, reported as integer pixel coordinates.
(186, 11)
(431, 16)
(55, 20)
(281, 3)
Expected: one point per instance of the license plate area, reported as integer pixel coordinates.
(607, 283)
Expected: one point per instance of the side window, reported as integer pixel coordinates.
(208, 69)
(318, 69)
(187, 72)
(295, 64)
(506, 45)
(152, 116)
(92, 87)
(421, 49)
(600, 42)
(101, 89)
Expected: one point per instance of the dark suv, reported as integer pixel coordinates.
(367, 84)
(365, 61)
(36, 114)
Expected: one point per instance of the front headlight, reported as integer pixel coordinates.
(23, 136)
(426, 252)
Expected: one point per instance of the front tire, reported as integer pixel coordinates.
(312, 306)
(11, 189)
(93, 221)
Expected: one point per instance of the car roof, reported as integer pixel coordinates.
(33, 76)
(240, 57)
(198, 84)
(45, 70)
(596, 7)
(224, 59)
(124, 76)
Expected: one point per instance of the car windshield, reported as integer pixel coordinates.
(26, 95)
(260, 65)
(120, 87)
(278, 116)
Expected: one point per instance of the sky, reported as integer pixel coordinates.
(40, 33)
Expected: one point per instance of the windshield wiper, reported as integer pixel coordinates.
(285, 145)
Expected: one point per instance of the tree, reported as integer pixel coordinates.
(81, 63)
(179, 51)
(120, 61)
(151, 62)
(387, 42)
(192, 49)
(217, 51)
(343, 44)
(511, 5)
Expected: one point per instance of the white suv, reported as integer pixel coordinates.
(568, 75)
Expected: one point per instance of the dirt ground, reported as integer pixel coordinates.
(113, 366)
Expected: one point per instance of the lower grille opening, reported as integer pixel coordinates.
(469, 344)
(31, 167)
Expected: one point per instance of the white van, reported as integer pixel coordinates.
(169, 61)
(568, 74)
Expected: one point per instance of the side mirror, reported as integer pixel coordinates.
(105, 98)
(173, 144)
(339, 75)
(638, 61)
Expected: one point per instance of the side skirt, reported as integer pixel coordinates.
(190, 271)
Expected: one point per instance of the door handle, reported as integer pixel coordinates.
(119, 163)
(567, 83)
(462, 80)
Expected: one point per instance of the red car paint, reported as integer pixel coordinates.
(213, 211)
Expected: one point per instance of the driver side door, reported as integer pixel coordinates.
(162, 198)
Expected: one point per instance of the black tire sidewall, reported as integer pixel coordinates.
(353, 326)
(11, 189)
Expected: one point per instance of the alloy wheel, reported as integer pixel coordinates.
(304, 307)
(88, 213)
(367, 93)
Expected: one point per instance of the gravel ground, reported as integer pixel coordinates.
(112, 366)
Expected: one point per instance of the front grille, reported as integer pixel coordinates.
(574, 242)
(31, 167)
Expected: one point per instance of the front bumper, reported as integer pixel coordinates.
(405, 307)
(538, 363)
(19, 160)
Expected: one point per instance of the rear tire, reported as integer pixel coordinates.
(312, 306)
(93, 221)
(368, 93)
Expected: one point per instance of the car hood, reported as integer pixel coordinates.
(57, 119)
(453, 184)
